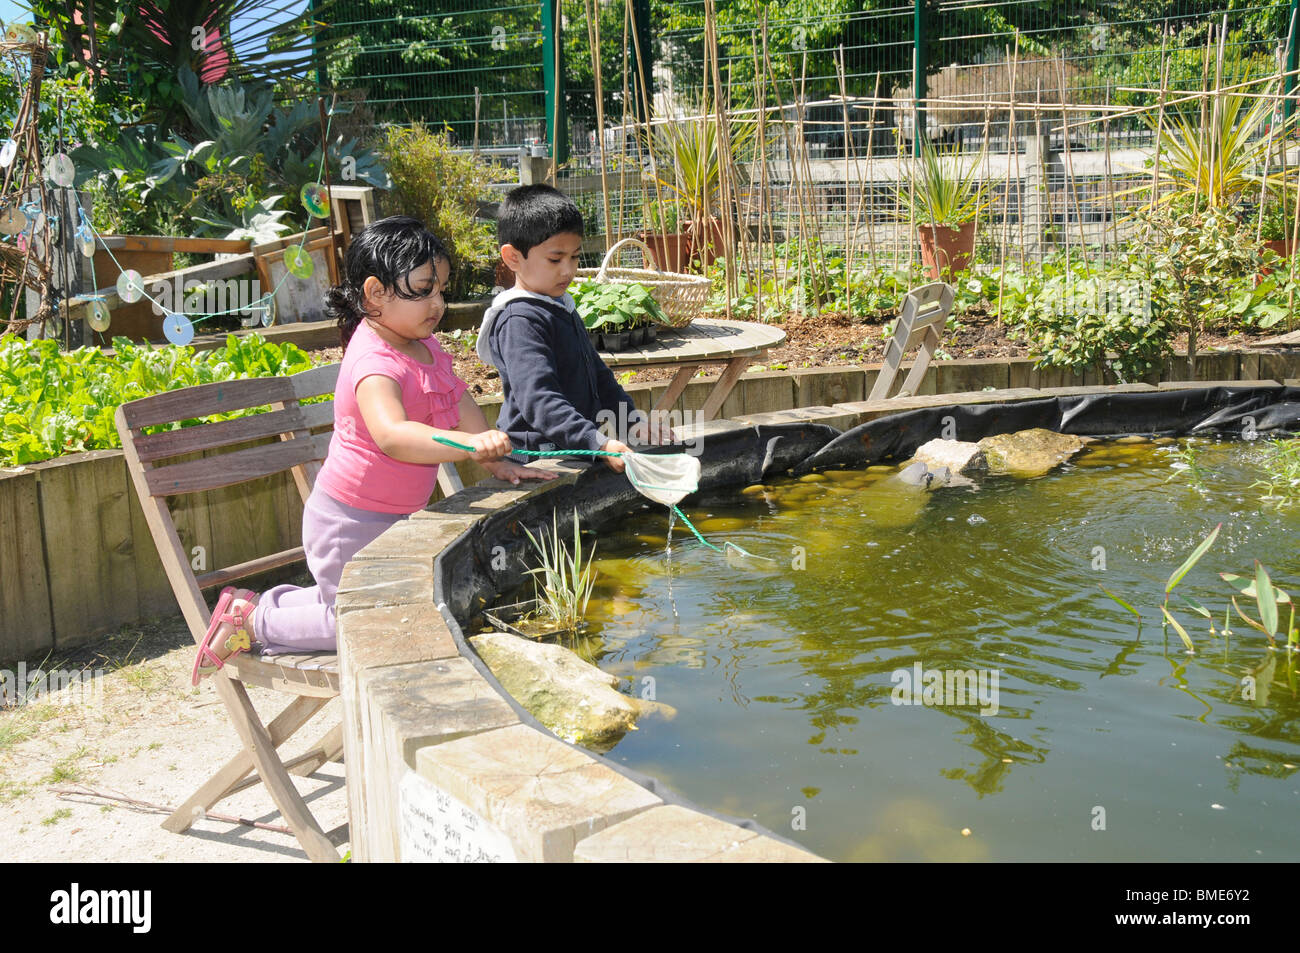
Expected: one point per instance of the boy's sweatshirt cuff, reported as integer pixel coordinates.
(596, 440)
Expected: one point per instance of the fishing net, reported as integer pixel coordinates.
(665, 478)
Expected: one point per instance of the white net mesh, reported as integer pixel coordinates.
(663, 477)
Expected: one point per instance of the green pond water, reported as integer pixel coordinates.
(785, 676)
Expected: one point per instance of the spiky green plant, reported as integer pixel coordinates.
(1221, 163)
(941, 193)
(563, 582)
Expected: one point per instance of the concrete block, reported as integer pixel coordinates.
(542, 794)
(674, 834)
(404, 709)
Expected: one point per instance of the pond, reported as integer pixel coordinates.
(805, 687)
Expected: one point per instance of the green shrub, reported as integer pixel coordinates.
(441, 188)
(1081, 317)
(52, 403)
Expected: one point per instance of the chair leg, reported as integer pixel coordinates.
(258, 744)
(322, 752)
(228, 780)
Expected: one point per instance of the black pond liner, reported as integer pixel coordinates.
(488, 560)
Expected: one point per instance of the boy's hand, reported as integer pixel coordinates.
(615, 446)
(513, 472)
(489, 445)
(661, 433)
(653, 430)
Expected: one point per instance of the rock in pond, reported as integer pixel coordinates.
(959, 456)
(572, 698)
(1029, 452)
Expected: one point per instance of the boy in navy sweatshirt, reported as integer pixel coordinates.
(556, 386)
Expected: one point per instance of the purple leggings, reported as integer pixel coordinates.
(296, 619)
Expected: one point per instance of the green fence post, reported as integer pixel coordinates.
(920, 23)
(641, 24)
(1292, 60)
(557, 117)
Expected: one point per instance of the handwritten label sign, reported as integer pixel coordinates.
(437, 828)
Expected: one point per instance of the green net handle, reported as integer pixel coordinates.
(595, 453)
(534, 453)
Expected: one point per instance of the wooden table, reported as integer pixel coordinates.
(704, 341)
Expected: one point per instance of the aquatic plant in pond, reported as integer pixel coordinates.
(563, 582)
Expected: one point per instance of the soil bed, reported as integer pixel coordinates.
(823, 340)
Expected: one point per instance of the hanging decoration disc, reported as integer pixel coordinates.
(298, 262)
(99, 316)
(267, 304)
(12, 220)
(178, 329)
(7, 153)
(316, 200)
(20, 33)
(130, 286)
(59, 170)
(86, 244)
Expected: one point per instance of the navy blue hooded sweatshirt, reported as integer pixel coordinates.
(554, 381)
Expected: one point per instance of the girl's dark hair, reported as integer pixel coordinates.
(390, 249)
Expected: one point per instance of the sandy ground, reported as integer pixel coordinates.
(146, 734)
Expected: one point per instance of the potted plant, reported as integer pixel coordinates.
(689, 166)
(670, 246)
(944, 201)
(618, 315)
(1277, 224)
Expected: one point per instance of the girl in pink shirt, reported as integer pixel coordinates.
(396, 390)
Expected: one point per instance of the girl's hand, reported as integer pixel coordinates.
(489, 445)
(513, 472)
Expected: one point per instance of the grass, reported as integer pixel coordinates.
(1281, 465)
(67, 768)
(61, 814)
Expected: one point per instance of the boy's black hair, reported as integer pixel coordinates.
(531, 214)
(390, 249)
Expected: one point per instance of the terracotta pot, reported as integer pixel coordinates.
(712, 245)
(946, 250)
(671, 252)
(1282, 247)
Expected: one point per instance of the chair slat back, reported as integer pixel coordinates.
(297, 449)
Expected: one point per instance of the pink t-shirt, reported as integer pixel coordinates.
(356, 471)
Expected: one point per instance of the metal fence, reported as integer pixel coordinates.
(1038, 88)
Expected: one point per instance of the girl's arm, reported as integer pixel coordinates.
(472, 422)
(379, 399)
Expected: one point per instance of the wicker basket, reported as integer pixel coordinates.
(681, 296)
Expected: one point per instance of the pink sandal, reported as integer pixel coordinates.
(235, 643)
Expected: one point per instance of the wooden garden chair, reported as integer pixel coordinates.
(924, 313)
(312, 678)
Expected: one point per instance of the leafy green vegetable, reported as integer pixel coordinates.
(620, 305)
(52, 402)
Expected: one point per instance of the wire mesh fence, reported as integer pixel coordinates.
(1047, 100)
